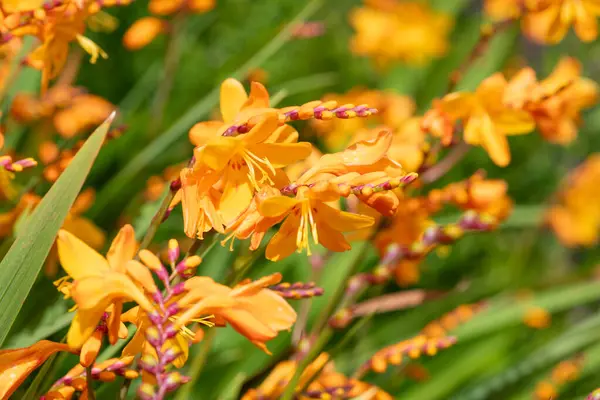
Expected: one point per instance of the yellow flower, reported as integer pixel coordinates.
(576, 217)
(556, 102)
(308, 213)
(244, 161)
(548, 21)
(17, 364)
(487, 121)
(326, 381)
(99, 283)
(250, 308)
(398, 30)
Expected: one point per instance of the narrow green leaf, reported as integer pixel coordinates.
(25, 257)
(502, 315)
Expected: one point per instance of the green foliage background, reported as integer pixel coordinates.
(497, 357)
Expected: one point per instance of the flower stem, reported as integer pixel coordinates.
(157, 220)
(89, 381)
(171, 61)
(440, 169)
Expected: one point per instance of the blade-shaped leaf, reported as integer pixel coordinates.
(25, 257)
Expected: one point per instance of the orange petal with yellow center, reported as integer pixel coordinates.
(233, 97)
(77, 258)
(122, 249)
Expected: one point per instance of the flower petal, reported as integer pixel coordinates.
(283, 242)
(217, 153)
(282, 154)
(368, 152)
(237, 194)
(341, 221)
(87, 231)
(259, 96)
(203, 132)
(276, 206)
(17, 364)
(233, 96)
(332, 239)
(83, 326)
(122, 249)
(77, 258)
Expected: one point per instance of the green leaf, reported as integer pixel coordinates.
(501, 314)
(25, 257)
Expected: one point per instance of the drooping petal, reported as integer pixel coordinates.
(283, 242)
(233, 96)
(282, 154)
(17, 364)
(332, 239)
(342, 221)
(114, 322)
(190, 203)
(247, 324)
(77, 258)
(276, 206)
(203, 132)
(514, 122)
(271, 309)
(495, 143)
(122, 249)
(83, 326)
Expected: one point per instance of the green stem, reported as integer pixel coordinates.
(157, 220)
(89, 381)
(163, 91)
(334, 302)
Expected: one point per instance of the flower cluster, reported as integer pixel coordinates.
(548, 21)
(319, 380)
(237, 183)
(575, 218)
(398, 30)
(55, 24)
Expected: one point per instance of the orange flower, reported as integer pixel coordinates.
(244, 161)
(548, 21)
(556, 102)
(326, 383)
(143, 32)
(395, 30)
(575, 219)
(500, 10)
(309, 212)
(487, 121)
(537, 318)
(100, 283)
(17, 364)
(236, 107)
(251, 308)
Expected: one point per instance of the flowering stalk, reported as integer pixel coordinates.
(298, 290)
(316, 109)
(157, 335)
(366, 189)
(431, 239)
